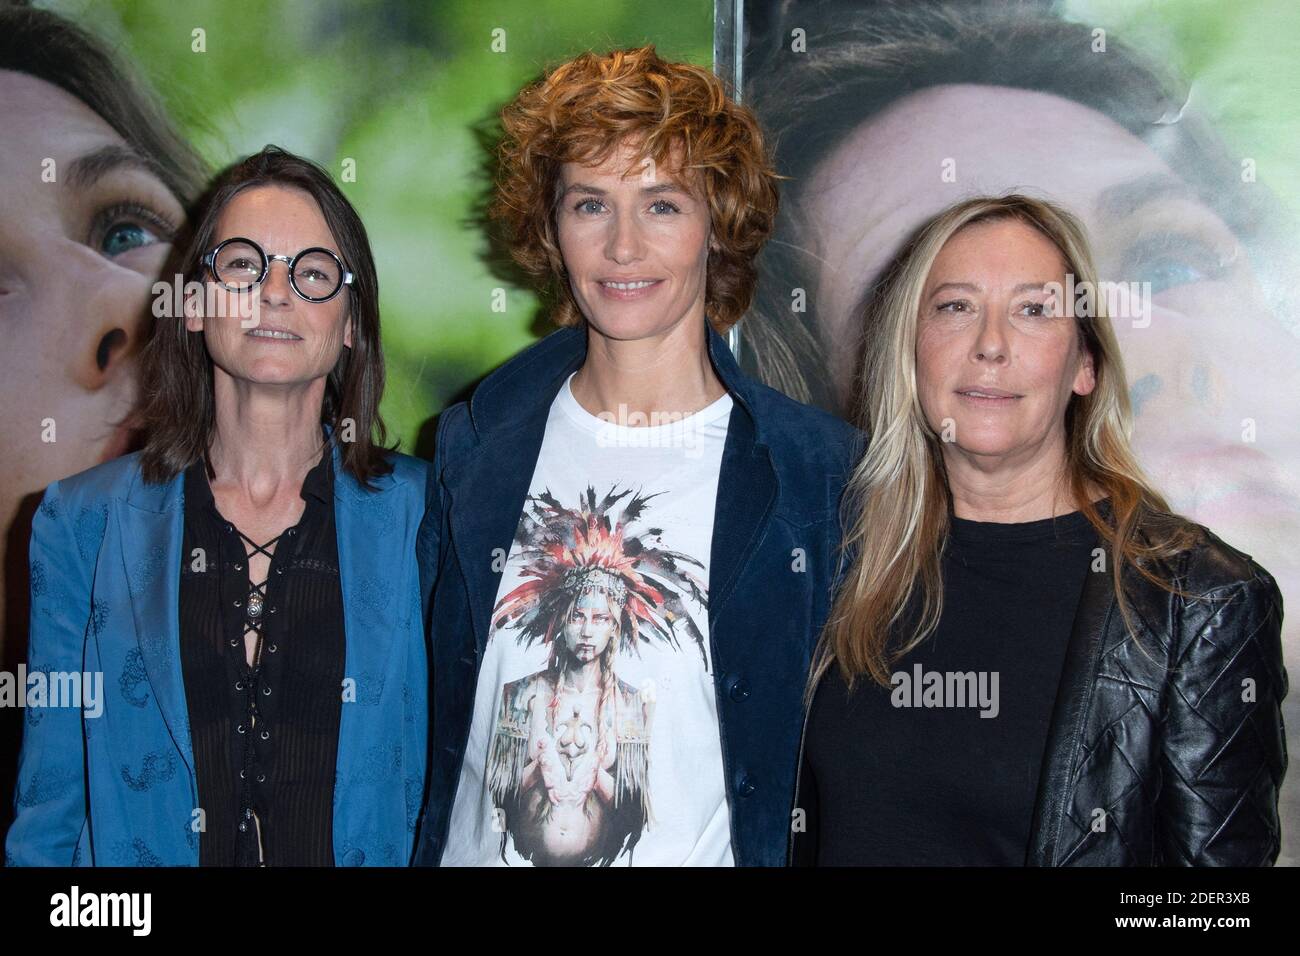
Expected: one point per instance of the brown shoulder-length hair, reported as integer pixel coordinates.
(177, 409)
(582, 111)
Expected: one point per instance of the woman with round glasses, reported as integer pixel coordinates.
(246, 585)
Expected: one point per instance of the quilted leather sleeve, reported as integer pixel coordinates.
(1223, 752)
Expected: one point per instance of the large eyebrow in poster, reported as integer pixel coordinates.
(87, 170)
(1123, 199)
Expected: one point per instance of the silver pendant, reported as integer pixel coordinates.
(254, 605)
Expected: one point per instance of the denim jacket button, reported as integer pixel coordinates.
(740, 690)
(354, 857)
(746, 787)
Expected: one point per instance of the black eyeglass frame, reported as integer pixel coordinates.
(209, 262)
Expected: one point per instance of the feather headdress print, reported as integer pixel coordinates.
(600, 546)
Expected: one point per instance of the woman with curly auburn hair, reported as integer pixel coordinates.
(631, 542)
(563, 121)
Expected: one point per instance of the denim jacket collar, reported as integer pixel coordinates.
(512, 394)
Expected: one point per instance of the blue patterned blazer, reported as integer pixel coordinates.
(119, 789)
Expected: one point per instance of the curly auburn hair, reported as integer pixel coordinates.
(582, 111)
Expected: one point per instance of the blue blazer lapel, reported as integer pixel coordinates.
(150, 525)
(374, 610)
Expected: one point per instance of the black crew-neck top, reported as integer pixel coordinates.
(942, 768)
(265, 741)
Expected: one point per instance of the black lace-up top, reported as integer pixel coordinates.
(265, 737)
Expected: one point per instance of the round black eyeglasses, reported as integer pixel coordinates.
(240, 264)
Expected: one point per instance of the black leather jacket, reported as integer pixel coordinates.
(1179, 742)
(1170, 753)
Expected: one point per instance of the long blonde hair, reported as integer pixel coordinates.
(897, 501)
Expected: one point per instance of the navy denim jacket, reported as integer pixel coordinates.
(775, 546)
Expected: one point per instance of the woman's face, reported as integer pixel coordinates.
(592, 624)
(635, 244)
(293, 342)
(84, 229)
(996, 359)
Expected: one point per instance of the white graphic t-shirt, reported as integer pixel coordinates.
(595, 738)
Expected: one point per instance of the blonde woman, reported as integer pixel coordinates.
(1030, 660)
